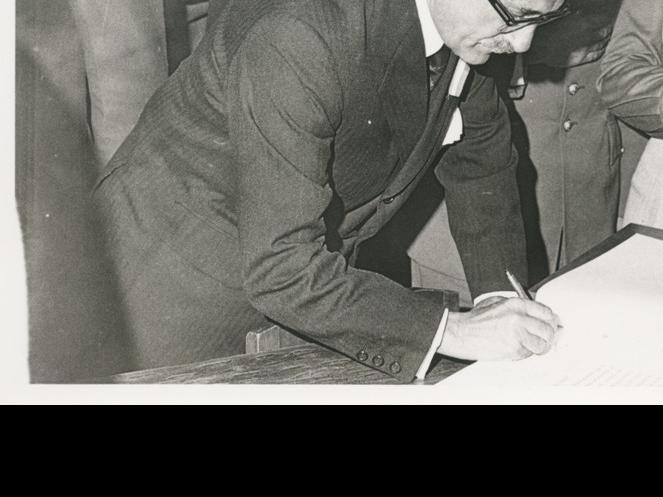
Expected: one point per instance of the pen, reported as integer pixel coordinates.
(522, 293)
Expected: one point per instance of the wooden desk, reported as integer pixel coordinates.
(304, 364)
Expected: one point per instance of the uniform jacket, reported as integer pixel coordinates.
(569, 142)
(293, 133)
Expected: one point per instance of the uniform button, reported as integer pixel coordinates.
(362, 355)
(388, 200)
(568, 125)
(378, 361)
(574, 88)
(395, 368)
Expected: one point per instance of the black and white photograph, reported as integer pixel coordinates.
(333, 202)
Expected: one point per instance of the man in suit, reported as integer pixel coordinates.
(294, 132)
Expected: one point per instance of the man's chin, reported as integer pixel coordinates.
(474, 58)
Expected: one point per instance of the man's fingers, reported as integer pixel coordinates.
(535, 335)
(536, 310)
(541, 329)
(522, 353)
(535, 344)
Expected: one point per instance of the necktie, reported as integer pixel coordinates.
(437, 63)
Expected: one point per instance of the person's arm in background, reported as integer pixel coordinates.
(631, 81)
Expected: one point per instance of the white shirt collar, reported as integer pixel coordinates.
(432, 39)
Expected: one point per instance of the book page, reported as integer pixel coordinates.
(612, 312)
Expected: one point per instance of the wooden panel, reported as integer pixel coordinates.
(265, 340)
(270, 339)
(305, 364)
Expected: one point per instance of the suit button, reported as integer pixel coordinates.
(388, 200)
(362, 355)
(395, 368)
(568, 125)
(378, 361)
(574, 88)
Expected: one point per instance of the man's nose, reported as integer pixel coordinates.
(521, 39)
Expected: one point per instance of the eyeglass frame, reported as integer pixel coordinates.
(511, 20)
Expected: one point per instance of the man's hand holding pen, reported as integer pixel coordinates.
(499, 329)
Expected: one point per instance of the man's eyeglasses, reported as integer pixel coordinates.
(535, 19)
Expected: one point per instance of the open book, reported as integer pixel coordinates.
(610, 302)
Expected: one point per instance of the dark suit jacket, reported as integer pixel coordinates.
(293, 133)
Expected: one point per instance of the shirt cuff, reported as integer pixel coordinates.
(504, 293)
(437, 341)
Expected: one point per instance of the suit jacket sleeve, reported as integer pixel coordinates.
(631, 81)
(285, 105)
(479, 177)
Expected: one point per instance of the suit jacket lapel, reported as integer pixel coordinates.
(403, 89)
(440, 111)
